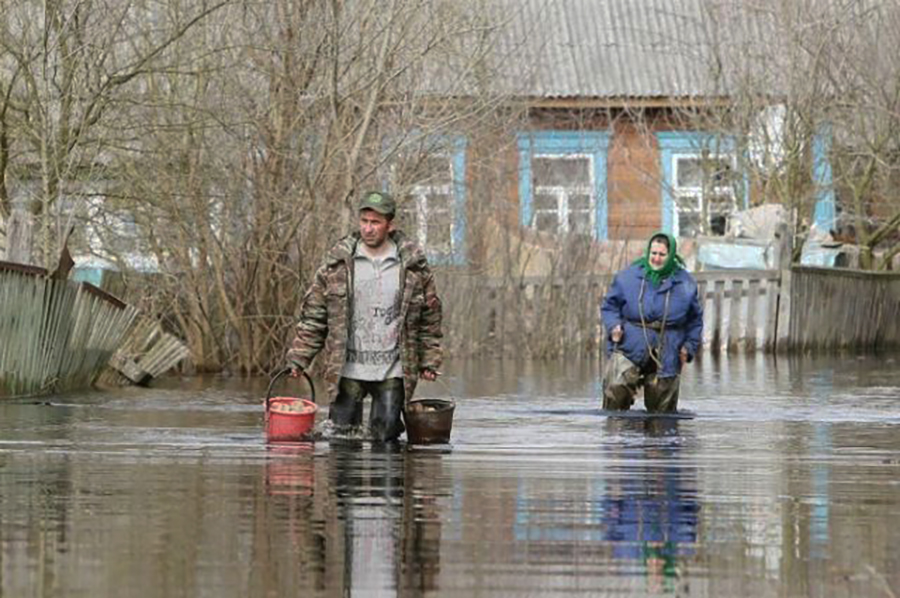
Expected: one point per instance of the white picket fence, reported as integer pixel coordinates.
(551, 318)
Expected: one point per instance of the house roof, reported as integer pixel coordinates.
(621, 51)
(629, 48)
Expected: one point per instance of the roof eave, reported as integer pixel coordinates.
(628, 102)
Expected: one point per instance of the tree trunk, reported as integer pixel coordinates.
(19, 235)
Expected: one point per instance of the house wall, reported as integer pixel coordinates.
(499, 240)
(633, 183)
(633, 197)
(633, 177)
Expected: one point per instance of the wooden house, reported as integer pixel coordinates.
(621, 106)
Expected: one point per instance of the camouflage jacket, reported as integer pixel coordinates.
(326, 311)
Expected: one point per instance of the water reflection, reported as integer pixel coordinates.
(650, 507)
(368, 485)
(287, 549)
(784, 484)
(631, 509)
(290, 469)
(428, 493)
(388, 500)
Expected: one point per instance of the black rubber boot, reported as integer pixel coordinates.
(347, 409)
(387, 405)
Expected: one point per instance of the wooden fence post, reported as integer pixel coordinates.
(734, 315)
(783, 337)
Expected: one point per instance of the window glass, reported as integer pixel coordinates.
(561, 171)
(580, 223)
(722, 172)
(545, 201)
(439, 221)
(407, 216)
(722, 202)
(690, 173)
(703, 194)
(688, 223)
(427, 212)
(563, 201)
(580, 202)
(546, 222)
(434, 170)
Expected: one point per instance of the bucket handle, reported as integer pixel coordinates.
(309, 382)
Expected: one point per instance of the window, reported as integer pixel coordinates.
(429, 182)
(562, 182)
(701, 185)
(427, 209)
(704, 194)
(563, 198)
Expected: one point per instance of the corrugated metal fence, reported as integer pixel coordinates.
(55, 335)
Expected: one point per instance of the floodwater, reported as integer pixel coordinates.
(786, 482)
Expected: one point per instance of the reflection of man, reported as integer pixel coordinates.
(388, 503)
(374, 307)
(425, 484)
(369, 488)
(651, 514)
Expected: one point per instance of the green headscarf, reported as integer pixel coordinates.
(673, 264)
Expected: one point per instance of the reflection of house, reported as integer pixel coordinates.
(620, 134)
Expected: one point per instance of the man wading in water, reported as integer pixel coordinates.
(374, 307)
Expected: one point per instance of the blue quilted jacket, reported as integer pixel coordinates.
(683, 325)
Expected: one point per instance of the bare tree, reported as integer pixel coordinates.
(66, 70)
(808, 93)
(249, 154)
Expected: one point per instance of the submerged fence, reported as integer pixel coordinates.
(740, 309)
(146, 352)
(550, 318)
(55, 335)
(744, 310)
(835, 308)
(58, 335)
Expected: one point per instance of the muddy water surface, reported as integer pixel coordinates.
(785, 482)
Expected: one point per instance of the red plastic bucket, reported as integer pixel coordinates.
(290, 419)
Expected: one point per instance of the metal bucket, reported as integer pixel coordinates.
(290, 419)
(429, 421)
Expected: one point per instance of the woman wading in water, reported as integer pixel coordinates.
(654, 322)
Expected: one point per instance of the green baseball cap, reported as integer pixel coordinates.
(380, 202)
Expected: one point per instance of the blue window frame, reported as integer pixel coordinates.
(432, 198)
(562, 182)
(699, 176)
(824, 215)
